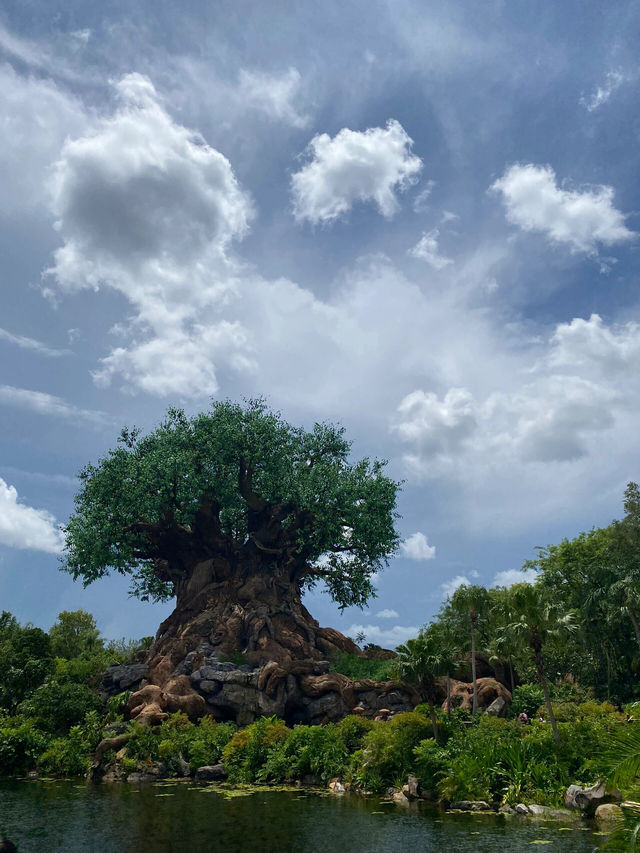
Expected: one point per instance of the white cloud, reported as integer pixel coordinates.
(353, 167)
(145, 206)
(450, 586)
(416, 547)
(48, 404)
(21, 526)
(601, 94)
(421, 201)
(31, 344)
(437, 427)
(273, 94)
(511, 576)
(582, 220)
(427, 249)
(35, 118)
(385, 637)
(387, 614)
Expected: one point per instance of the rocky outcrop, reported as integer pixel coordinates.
(303, 692)
(121, 677)
(492, 695)
(587, 800)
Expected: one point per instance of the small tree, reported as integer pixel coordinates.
(470, 602)
(420, 662)
(537, 619)
(74, 632)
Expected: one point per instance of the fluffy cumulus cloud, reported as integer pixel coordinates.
(449, 587)
(555, 416)
(387, 613)
(385, 637)
(354, 166)
(147, 207)
(21, 526)
(276, 95)
(416, 547)
(427, 249)
(583, 220)
(511, 576)
(35, 118)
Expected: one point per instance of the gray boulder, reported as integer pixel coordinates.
(211, 773)
(587, 800)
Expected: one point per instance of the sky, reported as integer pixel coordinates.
(420, 220)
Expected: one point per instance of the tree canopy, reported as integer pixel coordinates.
(236, 477)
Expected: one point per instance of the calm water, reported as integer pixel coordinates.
(65, 816)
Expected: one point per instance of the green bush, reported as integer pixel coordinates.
(315, 750)
(527, 698)
(353, 729)
(57, 707)
(247, 752)
(430, 763)
(360, 667)
(21, 744)
(72, 755)
(386, 757)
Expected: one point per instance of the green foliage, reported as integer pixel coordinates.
(21, 743)
(248, 750)
(430, 763)
(25, 661)
(157, 486)
(73, 633)
(72, 755)
(316, 750)
(353, 730)
(359, 667)
(57, 707)
(527, 698)
(387, 755)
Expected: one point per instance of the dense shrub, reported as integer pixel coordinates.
(21, 744)
(527, 698)
(57, 707)
(248, 750)
(72, 755)
(359, 667)
(386, 757)
(353, 729)
(319, 751)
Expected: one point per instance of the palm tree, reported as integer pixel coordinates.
(470, 602)
(536, 620)
(420, 661)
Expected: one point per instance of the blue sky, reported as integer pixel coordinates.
(418, 219)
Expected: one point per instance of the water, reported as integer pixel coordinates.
(68, 816)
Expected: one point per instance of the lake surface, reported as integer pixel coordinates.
(69, 816)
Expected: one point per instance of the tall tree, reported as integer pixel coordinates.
(537, 619)
(470, 602)
(235, 513)
(420, 662)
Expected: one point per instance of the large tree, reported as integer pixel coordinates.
(235, 512)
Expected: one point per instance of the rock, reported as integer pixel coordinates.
(412, 788)
(488, 691)
(471, 805)
(336, 786)
(211, 773)
(522, 809)
(122, 676)
(321, 667)
(587, 800)
(400, 800)
(505, 808)
(539, 810)
(183, 769)
(499, 707)
(608, 812)
(429, 795)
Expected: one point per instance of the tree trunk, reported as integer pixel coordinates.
(636, 626)
(244, 606)
(434, 719)
(547, 697)
(473, 667)
(448, 694)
